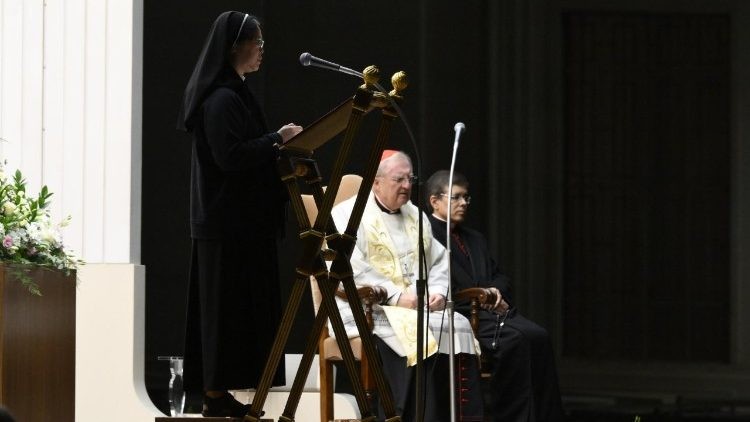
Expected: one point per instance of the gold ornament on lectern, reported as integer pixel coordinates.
(371, 76)
(399, 81)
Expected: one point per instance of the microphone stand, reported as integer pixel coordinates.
(449, 305)
(419, 393)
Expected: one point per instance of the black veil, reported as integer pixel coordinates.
(213, 61)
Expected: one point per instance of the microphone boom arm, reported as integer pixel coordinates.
(307, 59)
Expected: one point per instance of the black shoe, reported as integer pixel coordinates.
(224, 406)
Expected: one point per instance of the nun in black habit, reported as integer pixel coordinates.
(523, 383)
(237, 206)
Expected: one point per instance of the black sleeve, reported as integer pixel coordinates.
(225, 117)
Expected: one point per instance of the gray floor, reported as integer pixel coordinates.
(614, 409)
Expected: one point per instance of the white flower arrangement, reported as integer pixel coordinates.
(28, 236)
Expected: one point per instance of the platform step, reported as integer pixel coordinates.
(198, 418)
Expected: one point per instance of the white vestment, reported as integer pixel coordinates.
(386, 255)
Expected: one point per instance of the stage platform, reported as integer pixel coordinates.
(197, 418)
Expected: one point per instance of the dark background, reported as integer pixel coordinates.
(598, 146)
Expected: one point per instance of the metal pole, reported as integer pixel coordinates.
(449, 300)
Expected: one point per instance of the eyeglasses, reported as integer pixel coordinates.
(455, 198)
(259, 42)
(400, 180)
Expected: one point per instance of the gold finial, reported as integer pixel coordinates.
(400, 81)
(371, 75)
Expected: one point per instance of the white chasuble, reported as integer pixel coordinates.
(386, 255)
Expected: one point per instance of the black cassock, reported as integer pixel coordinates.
(236, 211)
(524, 384)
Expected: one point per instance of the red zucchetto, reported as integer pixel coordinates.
(387, 154)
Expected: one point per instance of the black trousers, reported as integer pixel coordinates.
(524, 385)
(402, 380)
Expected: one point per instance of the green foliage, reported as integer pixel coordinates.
(28, 236)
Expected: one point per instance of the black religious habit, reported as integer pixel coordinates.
(237, 207)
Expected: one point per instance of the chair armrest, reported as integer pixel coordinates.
(477, 296)
(369, 296)
(480, 294)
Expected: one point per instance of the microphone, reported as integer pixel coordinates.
(459, 128)
(307, 59)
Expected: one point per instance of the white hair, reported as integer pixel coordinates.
(385, 165)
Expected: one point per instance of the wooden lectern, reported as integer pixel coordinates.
(37, 344)
(296, 165)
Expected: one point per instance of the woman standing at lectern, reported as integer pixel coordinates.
(237, 206)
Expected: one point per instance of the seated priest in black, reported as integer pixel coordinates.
(523, 385)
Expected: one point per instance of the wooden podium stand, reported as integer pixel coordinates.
(321, 241)
(37, 346)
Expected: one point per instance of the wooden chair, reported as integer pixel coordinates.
(328, 350)
(477, 296)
